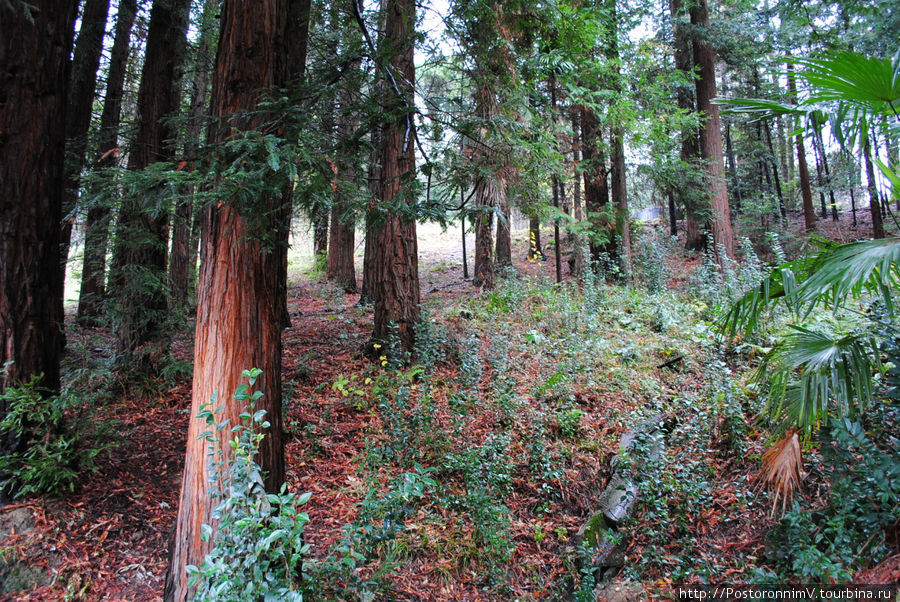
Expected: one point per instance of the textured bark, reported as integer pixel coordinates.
(96, 228)
(179, 259)
(874, 205)
(488, 189)
(620, 247)
(85, 62)
(294, 71)
(341, 241)
(34, 78)
(711, 134)
(690, 151)
(596, 185)
(535, 247)
(577, 260)
(782, 211)
(238, 321)
(809, 212)
(141, 249)
(503, 244)
(396, 254)
(820, 143)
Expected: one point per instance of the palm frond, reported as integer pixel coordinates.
(781, 469)
(847, 271)
(809, 370)
(853, 78)
(758, 109)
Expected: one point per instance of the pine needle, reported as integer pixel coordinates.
(781, 469)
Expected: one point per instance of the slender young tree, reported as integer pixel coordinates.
(238, 313)
(809, 211)
(396, 260)
(138, 275)
(35, 42)
(96, 227)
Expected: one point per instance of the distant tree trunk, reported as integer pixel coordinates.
(781, 208)
(294, 72)
(874, 205)
(824, 155)
(96, 227)
(141, 250)
(809, 212)
(341, 269)
(488, 189)
(711, 133)
(503, 248)
(596, 187)
(694, 238)
(85, 63)
(577, 266)
(396, 253)
(732, 167)
(238, 326)
(34, 80)
(179, 262)
(820, 179)
(673, 213)
(535, 247)
(620, 247)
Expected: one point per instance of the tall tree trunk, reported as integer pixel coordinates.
(694, 238)
(294, 72)
(34, 79)
(621, 246)
(535, 247)
(238, 327)
(179, 262)
(577, 265)
(96, 227)
(396, 252)
(809, 212)
(711, 133)
(782, 211)
(139, 263)
(503, 247)
(487, 190)
(85, 63)
(874, 204)
(341, 244)
(596, 186)
(822, 153)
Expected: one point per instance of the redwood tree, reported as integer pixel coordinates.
(711, 133)
(396, 260)
(35, 42)
(85, 63)
(96, 227)
(142, 233)
(238, 310)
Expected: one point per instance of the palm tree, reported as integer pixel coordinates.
(818, 372)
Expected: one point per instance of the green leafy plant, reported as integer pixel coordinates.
(57, 440)
(258, 545)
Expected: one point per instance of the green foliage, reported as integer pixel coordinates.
(258, 546)
(58, 438)
(853, 530)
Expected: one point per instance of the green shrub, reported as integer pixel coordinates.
(52, 448)
(258, 547)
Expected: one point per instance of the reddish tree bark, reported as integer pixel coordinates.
(396, 254)
(96, 228)
(34, 79)
(238, 313)
(596, 185)
(142, 233)
(711, 134)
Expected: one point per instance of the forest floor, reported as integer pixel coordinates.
(521, 404)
